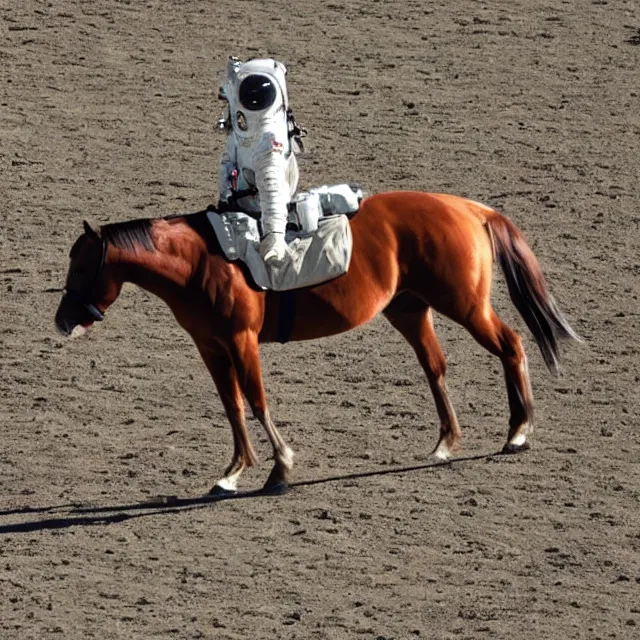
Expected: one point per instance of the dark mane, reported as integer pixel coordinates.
(134, 234)
(130, 235)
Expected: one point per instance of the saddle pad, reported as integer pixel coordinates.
(312, 258)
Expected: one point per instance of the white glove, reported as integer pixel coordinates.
(273, 249)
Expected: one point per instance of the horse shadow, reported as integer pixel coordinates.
(80, 515)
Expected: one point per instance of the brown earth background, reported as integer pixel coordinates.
(108, 112)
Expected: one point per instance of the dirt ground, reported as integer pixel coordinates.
(108, 112)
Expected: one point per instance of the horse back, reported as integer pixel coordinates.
(430, 227)
(421, 207)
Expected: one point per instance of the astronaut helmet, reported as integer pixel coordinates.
(256, 92)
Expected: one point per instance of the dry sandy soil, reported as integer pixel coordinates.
(108, 112)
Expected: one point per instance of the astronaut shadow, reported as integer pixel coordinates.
(79, 515)
(65, 516)
(395, 470)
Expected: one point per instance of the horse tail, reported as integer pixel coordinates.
(528, 289)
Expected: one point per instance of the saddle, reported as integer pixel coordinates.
(308, 207)
(318, 236)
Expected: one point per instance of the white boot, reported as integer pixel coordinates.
(273, 249)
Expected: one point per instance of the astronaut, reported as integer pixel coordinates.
(258, 169)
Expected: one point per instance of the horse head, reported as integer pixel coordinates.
(88, 290)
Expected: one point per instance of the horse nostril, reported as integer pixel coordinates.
(62, 326)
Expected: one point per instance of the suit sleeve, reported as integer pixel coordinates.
(270, 166)
(227, 165)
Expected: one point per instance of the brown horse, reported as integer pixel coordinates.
(412, 252)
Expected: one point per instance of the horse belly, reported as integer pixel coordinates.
(345, 303)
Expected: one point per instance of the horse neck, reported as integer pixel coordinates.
(169, 267)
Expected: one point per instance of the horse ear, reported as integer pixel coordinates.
(88, 230)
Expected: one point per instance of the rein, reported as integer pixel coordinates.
(83, 298)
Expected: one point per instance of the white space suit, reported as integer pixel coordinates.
(258, 169)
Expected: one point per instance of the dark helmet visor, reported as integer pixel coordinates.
(257, 92)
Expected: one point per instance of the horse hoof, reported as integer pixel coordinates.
(219, 491)
(511, 448)
(275, 489)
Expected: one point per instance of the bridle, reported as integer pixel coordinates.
(83, 298)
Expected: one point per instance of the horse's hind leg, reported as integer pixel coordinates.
(499, 339)
(412, 318)
(226, 380)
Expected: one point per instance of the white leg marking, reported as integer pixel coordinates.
(282, 453)
(442, 451)
(286, 457)
(230, 482)
(520, 438)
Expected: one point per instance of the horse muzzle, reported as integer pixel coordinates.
(75, 316)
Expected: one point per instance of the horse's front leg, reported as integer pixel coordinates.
(246, 357)
(225, 377)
